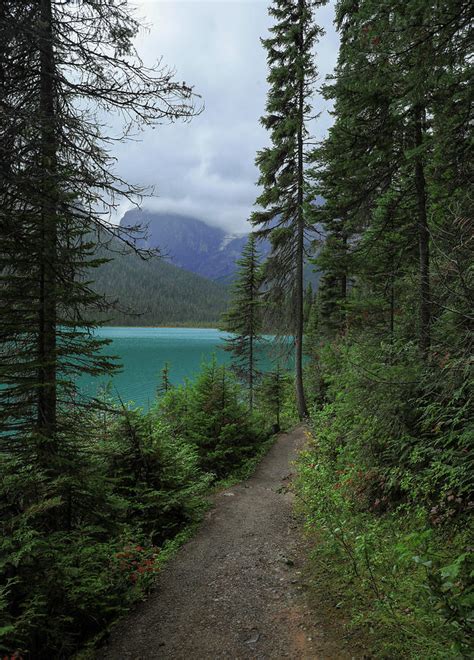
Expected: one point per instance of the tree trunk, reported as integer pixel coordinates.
(391, 323)
(343, 280)
(251, 373)
(253, 294)
(423, 239)
(47, 370)
(299, 288)
(278, 382)
(392, 307)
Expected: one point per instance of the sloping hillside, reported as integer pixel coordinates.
(157, 292)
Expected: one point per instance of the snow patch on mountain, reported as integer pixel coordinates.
(228, 238)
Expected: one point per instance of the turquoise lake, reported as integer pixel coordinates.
(143, 352)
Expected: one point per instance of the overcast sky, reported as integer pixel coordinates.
(206, 168)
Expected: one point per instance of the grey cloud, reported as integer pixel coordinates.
(206, 168)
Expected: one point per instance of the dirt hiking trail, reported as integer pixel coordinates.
(236, 589)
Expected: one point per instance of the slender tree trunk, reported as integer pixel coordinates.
(299, 289)
(251, 373)
(423, 239)
(392, 280)
(47, 372)
(392, 306)
(252, 326)
(278, 399)
(344, 281)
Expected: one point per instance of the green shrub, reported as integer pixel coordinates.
(212, 417)
(56, 543)
(77, 551)
(275, 396)
(384, 486)
(406, 583)
(156, 473)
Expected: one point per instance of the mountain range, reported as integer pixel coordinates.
(187, 285)
(190, 243)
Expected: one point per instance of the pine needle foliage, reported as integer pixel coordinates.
(64, 66)
(244, 318)
(58, 186)
(283, 201)
(210, 414)
(386, 483)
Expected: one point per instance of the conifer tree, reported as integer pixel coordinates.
(449, 175)
(216, 421)
(58, 188)
(308, 302)
(244, 319)
(63, 67)
(373, 159)
(272, 394)
(432, 50)
(282, 165)
(376, 169)
(165, 384)
(354, 164)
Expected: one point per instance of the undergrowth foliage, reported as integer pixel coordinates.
(211, 416)
(386, 486)
(136, 485)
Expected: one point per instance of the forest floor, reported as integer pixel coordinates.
(238, 589)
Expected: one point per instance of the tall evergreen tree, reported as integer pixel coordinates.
(244, 319)
(354, 165)
(58, 186)
(63, 66)
(373, 174)
(282, 165)
(215, 421)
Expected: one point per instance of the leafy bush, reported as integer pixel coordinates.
(276, 403)
(407, 583)
(77, 551)
(156, 473)
(211, 416)
(384, 486)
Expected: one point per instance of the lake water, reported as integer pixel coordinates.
(144, 351)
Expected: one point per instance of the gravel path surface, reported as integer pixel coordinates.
(236, 589)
